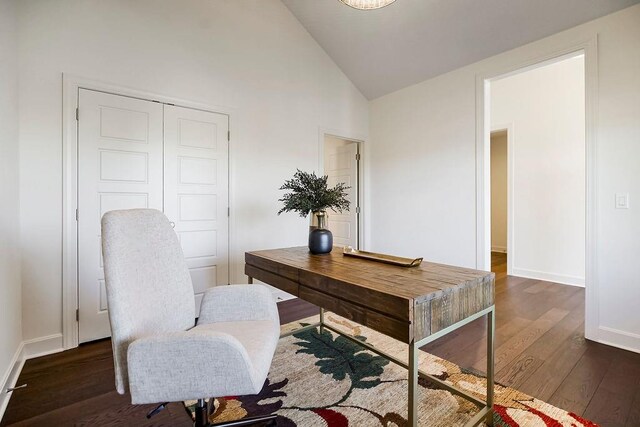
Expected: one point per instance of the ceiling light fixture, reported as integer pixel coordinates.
(367, 4)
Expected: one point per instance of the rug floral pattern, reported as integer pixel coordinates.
(325, 379)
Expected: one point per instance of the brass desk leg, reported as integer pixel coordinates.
(413, 385)
(491, 331)
(486, 410)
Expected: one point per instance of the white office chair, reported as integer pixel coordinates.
(160, 353)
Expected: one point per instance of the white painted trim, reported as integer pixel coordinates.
(483, 173)
(590, 49)
(43, 346)
(592, 302)
(281, 295)
(563, 279)
(363, 234)
(10, 377)
(70, 86)
(620, 339)
(28, 349)
(278, 294)
(234, 139)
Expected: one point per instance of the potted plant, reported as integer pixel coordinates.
(310, 193)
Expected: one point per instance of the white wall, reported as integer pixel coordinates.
(546, 108)
(422, 153)
(10, 296)
(499, 164)
(423, 142)
(251, 55)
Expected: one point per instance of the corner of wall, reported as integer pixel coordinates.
(12, 354)
(11, 377)
(28, 349)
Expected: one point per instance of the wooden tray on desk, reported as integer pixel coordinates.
(387, 259)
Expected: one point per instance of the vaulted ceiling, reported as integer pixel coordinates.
(409, 41)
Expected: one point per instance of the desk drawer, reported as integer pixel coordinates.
(274, 280)
(379, 322)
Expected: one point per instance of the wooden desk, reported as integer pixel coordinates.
(414, 305)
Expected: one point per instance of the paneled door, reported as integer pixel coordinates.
(119, 167)
(196, 191)
(341, 165)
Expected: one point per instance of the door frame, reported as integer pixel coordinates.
(71, 84)
(360, 140)
(508, 127)
(514, 65)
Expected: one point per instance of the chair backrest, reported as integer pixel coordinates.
(149, 289)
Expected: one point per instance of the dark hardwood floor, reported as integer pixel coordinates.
(541, 351)
(76, 387)
(540, 345)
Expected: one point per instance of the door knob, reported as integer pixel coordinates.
(173, 224)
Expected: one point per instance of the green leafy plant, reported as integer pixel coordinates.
(310, 193)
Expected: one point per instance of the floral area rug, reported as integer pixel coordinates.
(327, 380)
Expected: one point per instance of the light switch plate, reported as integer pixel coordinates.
(622, 200)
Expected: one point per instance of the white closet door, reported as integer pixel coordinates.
(341, 165)
(119, 167)
(196, 192)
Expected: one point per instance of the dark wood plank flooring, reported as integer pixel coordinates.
(540, 345)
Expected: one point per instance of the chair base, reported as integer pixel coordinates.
(202, 418)
(157, 409)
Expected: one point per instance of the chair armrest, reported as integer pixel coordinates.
(188, 365)
(236, 303)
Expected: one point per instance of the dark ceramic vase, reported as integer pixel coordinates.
(320, 239)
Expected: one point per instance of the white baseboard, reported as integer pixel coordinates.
(282, 295)
(549, 277)
(278, 294)
(10, 377)
(501, 249)
(618, 338)
(42, 346)
(28, 349)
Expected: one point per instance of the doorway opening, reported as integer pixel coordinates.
(341, 163)
(537, 153)
(499, 197)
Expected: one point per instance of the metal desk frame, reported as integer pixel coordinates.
(486, 408)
